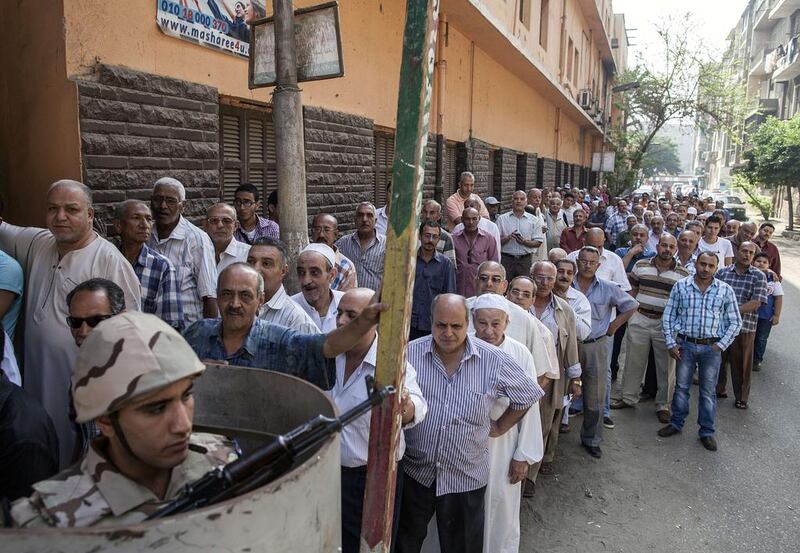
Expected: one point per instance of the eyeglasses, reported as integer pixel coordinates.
(516, 292)
(495, 279)
(227, 221)
(93, 321)
(170, 201)
(544, 278)
(243, 203)
(322, 229)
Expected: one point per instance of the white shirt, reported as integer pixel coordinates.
(346, 395)
(529, 226)
(381, 220)
(236, 252)
(611, 268)
(570, 211)
(722, 248)
(653, 240)
(281, 310)
(10, 367)
(326, 323)
(583, 312)
(487, 226)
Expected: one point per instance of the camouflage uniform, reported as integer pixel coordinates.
(126, 357)
(93, 492)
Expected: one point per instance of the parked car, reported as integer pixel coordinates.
(734, 204)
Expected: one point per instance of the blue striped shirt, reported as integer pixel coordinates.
(713, 314)
(450, 447)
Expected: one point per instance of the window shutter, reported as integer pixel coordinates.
(450, 176)
(384, 156)
(232, 164)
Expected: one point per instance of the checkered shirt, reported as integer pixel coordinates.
(752, 285)
(159, 287)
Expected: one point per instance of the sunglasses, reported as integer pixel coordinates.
(93, 321)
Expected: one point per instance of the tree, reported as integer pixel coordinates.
(773, 158)
(762, 203)
(661, 159)
(687, 85)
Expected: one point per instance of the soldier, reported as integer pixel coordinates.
(133, 377)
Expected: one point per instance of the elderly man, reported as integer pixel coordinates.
(454, 206)
(270, 257)
(617, 221)
(473, 246)
(434, 275)
(484, 223)
(656, 230)
(599, 216)
(325, 230)
(220, 224)
(565, 274)
(687, 249)
(639, 248)
(555, 221)
(365, 247)
(133, 222)
(315, 273)
(730, 229)
(764, 241)
(520, 236)
(672, 224)
(511, 454)
(493, 207)
(187, 247)
(745, 232)
(572, 237)
(446, 469)
(750, 286)
(240, 338)
(54, 261)
(252, 226)
(652, 280)
(559, 318)
(701, 319)
(534, 206)
(611, 267)
(603, 297)
(352, 368)
(432, 211)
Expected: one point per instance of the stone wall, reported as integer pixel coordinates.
(526, 171)
(547, 170)
(505, 175)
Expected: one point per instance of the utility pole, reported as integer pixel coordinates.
(287, 117)
(408, 171)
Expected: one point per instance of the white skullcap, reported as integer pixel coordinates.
(490, 301)
(692, 211)
(324, 250)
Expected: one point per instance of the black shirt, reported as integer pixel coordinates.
(28, 443)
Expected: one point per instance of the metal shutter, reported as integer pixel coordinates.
(384, 156)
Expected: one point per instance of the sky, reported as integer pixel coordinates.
(715, 19)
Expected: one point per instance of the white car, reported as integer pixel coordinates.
(733, 204)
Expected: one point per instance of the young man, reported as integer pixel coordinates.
(712, 243)
(252, 226)
(434, 275)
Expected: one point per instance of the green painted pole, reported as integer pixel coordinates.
(408, 171)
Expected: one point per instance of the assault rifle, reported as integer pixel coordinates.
(268, 462)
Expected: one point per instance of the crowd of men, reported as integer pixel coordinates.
(570, 302)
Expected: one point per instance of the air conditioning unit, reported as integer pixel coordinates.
(585, 99)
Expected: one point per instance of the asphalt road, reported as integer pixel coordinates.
(651, 494)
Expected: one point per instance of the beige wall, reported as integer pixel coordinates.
(39, 140)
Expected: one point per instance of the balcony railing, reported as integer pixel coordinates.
(783, 8)
(787, 66)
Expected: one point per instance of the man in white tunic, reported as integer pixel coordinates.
(56, 261)
(316, 271)
(511, 454)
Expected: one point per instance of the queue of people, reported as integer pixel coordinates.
(564, 305)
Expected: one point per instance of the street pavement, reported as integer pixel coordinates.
(651, 494)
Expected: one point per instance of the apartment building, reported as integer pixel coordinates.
(96, 91)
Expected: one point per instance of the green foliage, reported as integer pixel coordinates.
(774, 155)
(661, 158)
(762, 203)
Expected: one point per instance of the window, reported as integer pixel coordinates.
(575, 66)
(247, 150)
(525, 12)
(796, 102)
(570, 59)
(544, 23)
(450, 176)
(384, 156)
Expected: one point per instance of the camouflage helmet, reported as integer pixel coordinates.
(125, 357)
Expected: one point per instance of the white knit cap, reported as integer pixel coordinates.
(490, 301)
(324, 250)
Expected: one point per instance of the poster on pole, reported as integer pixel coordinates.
(219, 24)
(318, 46)
(608, 161)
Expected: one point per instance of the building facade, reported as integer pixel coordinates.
(95, 91)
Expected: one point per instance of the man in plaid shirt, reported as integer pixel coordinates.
(134, 221)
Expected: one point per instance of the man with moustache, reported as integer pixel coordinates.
(325, 230)
(315, 273)
(454, 205)
(687, 249)
(473, 246)
(432, 211)
(365, 247)
(434, 275)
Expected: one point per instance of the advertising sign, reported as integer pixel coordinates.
(220, 24)
(318, 46)
(608, 161)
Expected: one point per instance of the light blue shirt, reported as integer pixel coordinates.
(11, 280)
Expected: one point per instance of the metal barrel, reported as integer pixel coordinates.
(298, 512)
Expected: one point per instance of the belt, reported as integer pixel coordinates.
(517, 256)
(699, 341)
(650, 314)
(593, 340)
(362, 468)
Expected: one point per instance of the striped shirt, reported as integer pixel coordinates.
(368, 262)
(264, 227)
(654, 286)
(235, 252)
(281, 310)
(191, 252)
(450, 447)
(346, 395)
(159, 287)
(326, 323)
(752, 285)
(710, 314)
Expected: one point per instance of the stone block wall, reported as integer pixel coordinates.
(548, 171)
(526, 171)
(431, 169)
(136, 128)
(505, 175)
(476, 160)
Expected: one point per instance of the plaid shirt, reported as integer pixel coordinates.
(345, 273)
(710, 314)
(264, 227)
(616, 224)
(159, 287)
(752, 285)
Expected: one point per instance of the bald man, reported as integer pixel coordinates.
(473, 246)
(611, 267)
(220, 225)
(54, 262)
